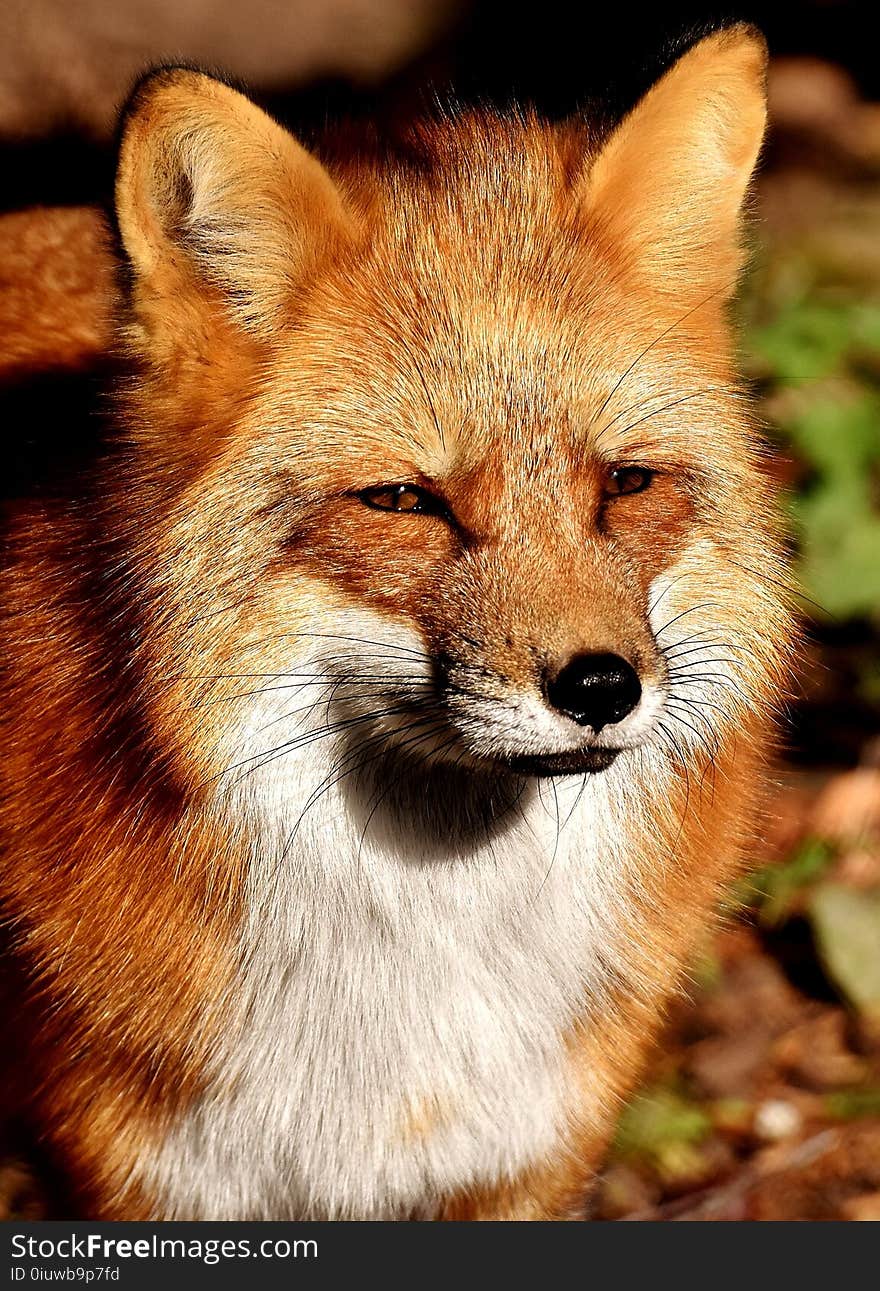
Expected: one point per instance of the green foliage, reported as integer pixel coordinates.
(851, 1104)
(817, 353)
(774, 889)
(664, 1129)
(869, 683)
(839, 439)
(846, 922)
(811, 338)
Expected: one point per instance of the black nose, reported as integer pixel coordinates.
(595, 689)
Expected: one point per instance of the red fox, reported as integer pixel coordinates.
(387, 711)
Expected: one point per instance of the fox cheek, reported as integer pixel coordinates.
(651, 531)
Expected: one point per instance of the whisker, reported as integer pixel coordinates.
(698, 734)
(695, 394)
(330, 780)
(688, 678)
(704, 605)
(309, 737)
(665, 592)
(640, 404)
(790, 589)
(679, 650)
(383, 793)
(700, 703)
(685, 669)
(656, 341)
(386, 683)
(671, 743)
(328, 701)
(555, 844)
(337, 636)
(578, 796)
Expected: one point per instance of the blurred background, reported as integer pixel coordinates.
(763, 1099)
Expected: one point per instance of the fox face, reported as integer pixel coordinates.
(505, 555)
(460, 462)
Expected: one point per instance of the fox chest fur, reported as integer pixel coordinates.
(413, 966)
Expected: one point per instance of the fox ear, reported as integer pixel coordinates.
(211, 190)
(670, 182)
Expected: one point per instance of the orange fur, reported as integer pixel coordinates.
(56, 289)
(462, 316)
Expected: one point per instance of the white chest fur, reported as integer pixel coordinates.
(397, 1030)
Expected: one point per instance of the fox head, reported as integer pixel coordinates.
(443, 448)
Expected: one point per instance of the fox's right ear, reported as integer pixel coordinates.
(211, 191)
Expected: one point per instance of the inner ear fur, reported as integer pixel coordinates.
(670, 182)
(209, 188)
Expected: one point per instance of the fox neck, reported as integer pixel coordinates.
(443, 846)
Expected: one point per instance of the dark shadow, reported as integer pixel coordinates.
(836, 719)
(793, 947)
(65, 169)
(430, 812)
(54, 426)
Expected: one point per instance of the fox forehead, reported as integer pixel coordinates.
(526, 418)
(436, 366)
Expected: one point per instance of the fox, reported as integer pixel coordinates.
(389, 707)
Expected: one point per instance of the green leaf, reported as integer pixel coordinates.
(838, 523)
(846, 922)
(838, 433)
(806, 340)
(850, 1104)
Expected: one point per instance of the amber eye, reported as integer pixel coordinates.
(403, 497)
(627, 479)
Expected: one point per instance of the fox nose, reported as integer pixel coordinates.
(595, 689)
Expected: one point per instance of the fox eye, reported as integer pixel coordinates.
(627, 479)
(403, 497)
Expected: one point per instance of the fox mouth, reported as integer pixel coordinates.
(576, 762)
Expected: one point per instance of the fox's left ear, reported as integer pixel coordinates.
(213, 196)
(669, 183)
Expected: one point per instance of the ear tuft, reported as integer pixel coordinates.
(212, 190)
(670, 182)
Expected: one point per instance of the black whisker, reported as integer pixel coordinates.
(674, 403)
(656, 341)
(309, 737)
(383, 793)
(704, 605)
